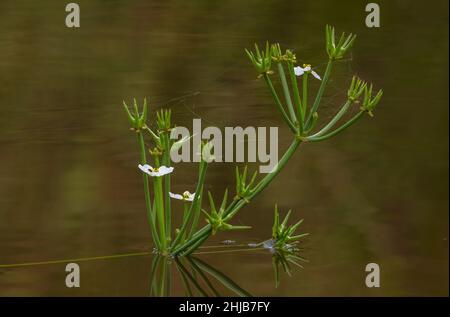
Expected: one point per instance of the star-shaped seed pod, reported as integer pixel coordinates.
(136, 119)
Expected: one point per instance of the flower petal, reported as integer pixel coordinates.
(187, 196)
(316, 75)
(163, 170)
(175, 196)
(145, 168)
(191, 197)
(298, 71)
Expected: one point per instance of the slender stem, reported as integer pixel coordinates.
(276, 272)
(340, 129)
(166, 162)
(185, 214)
(297, 100)
(267, 179)
(197, 212)
(201, 180)
(333, 121)
(305, 94)
(155, 262)
(150, 217)
(323, 84)
(278, 103)
(233, 203)
(168, 277)
(159, 203)
(201, 233)
(195, 245)
(287, 94)
(163, 279)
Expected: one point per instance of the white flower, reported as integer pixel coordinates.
(155, 172)
(187, 196)
(306, 68)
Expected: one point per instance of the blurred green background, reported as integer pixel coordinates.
(69, 186)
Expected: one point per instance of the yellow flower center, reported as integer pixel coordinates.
(186, 195)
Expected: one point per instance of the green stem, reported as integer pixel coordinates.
(333, 121)
(201, 180)
(340, 129)
(197, 212)
(267, 179)
(163, 279)
(278, 103)
(150, 217)
(305, 95)
(296, 93)
(168, 278)
(166, 162)
(203, 232)
(323, 84)
(153, 281)
(185, 214)
(159, 205)
(287, 94)
(196, 244)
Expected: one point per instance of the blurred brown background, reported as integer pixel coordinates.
(69, 186)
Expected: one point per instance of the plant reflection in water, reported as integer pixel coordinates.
(200, 279)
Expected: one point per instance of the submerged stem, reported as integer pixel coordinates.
(203, 276)
(191, 278)
(225, 280)
(162, 288)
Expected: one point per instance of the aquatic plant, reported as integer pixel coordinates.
(284, 259)
(283, 234)
(198, 278)
(298, 115)
(284, 244)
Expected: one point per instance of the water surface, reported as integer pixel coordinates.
(69, 186)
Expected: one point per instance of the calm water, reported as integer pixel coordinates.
(69, 186)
